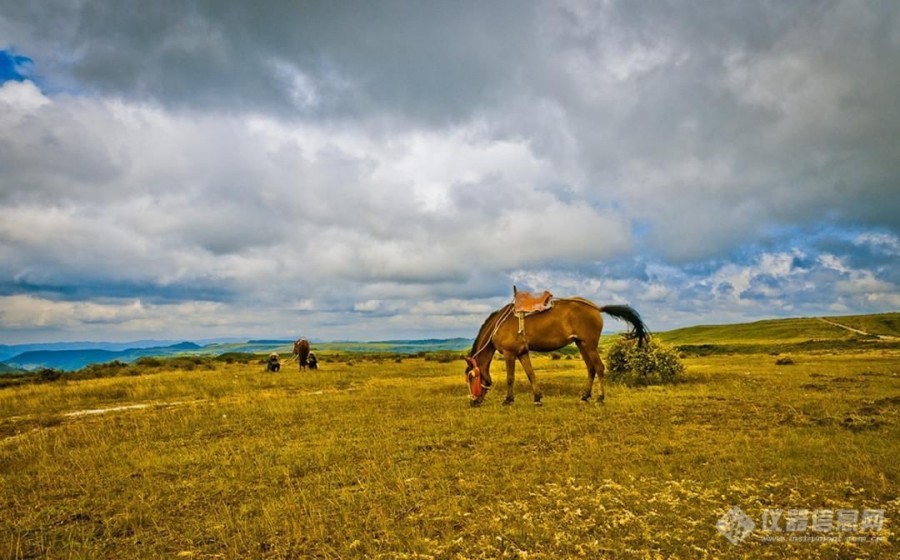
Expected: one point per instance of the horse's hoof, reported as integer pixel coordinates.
(473, 403)
(538, 403)
(507, 402)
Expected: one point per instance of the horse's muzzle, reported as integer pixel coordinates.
(473, 378)
(478, 386)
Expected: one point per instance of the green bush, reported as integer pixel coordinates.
(235, 357)
(442, 357)
(105, 369)
(46, 375)
(190, 363)
(148, 362)
(651, 364)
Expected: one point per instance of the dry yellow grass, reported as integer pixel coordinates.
(385, 459)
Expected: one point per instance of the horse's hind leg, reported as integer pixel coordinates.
(529, 371)
(591, 372)
(595, 368)
(600, 370)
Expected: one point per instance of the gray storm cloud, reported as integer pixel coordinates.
(341, 158)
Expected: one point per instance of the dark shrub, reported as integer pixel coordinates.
(107, 369)
(235, 357)
(46, 375)
(190, 363)
(442, 357)
(148, 361)
(651, 364)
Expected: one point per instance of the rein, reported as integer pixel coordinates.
(497, 324)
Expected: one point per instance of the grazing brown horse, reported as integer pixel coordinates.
(568, 320)
(301, 350)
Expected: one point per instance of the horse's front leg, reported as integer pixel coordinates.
(510, 378)
(529, 371)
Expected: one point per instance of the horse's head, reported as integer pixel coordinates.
(479, 381)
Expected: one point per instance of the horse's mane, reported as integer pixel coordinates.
(483, 332)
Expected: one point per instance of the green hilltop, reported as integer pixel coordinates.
(789, 330)
(779, 335)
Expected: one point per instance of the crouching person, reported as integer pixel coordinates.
(312, 362)
(273, 363)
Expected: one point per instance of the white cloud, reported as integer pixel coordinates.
(885, 242)
(252, 209)
(128, 316)
(19, 99)
(270, 162)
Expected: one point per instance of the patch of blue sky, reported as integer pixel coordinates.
(14, 67)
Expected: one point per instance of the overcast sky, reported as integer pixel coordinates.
(373, 170)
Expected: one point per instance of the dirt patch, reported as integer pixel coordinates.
(16, 427)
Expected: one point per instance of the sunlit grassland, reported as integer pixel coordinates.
(386, 458)
(787, 331)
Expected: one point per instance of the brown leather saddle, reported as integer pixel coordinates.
(526, 303)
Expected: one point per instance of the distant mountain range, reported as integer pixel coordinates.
(74, 359)
(9, 351)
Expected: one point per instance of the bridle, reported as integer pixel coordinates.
(475, 381)
(474, 378)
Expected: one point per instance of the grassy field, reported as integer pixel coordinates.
(385, 459)
(791, 331)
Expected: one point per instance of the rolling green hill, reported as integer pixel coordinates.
(788, 330)
(882, 324)
(780, 335)
(6, 369)
(71, 360)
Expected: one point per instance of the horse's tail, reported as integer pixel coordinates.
(629, 315)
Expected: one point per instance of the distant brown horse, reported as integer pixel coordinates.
(301, 350)
(568, 320)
